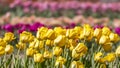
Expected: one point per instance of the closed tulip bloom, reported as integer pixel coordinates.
(97, 32)
(9, 37)
(50, 34)
(9, 49)
(49, 42)
(38, 58)
(72, 34)
(76, 64)
(78, 29)
(41, 33)
(26, 37)
(110, 57)
(81, 48)
(60, 41)
(107, 47)
(98, 56)
(21, 45)
(117, 52)
(114, 37)
(87, 30)
(106, 31)
(59, 31)
(30, 52)
(75, 55)
(57, 51)
(2, 50)
(47, 54)
(60, 61)
(3, 43)
(104, 39)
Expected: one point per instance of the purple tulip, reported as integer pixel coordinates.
(98, 26)
(117, 30)
(8, 27)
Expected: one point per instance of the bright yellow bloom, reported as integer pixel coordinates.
(37, 44)
(59, 31)
(3, 43)
(75, 55)
(78, 29)
(57, 51)
(117, 52)
(9, 49)
(31, 51)
(98, 56)
(106, 31)
(38, 58)
(50, 34)
(107, 47)
(71, 43)
(60, 40)
(26, 37)
(2, 50)
(41, 33)
(87, 30)
(60, 61)
(21, 45)
(72, 34)
(49, 42)
(110, 57)
(47, 54)
(114, 37)
(104, 39)
(9, 37)
(81, 48)
(76, 64)
(97, 32)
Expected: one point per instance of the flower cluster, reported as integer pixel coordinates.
(78, 47)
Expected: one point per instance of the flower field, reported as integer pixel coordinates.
(51, 34)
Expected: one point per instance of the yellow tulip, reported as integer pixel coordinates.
(76, 64)
(87, 30)
(104, 39)
(107, 47)
(110, 57)
(97, 32)
(49, 42)
(78, 29)
(72, 34)
(98, 56)
(30, 52)
(114, 37)
(60, 61)
(75, 55)
(50, 34)
(106, 31)
(26, 37)
(60, 41)
(59, 31)
(21, 45)
(41, 33)
(81, 48)
(47, 54)
(9, 49)
(9, 37)
(2, 50)
(3, 43)
(57, 51)
(117, 52)
(38, 58)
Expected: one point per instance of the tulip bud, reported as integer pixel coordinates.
(110, 57)
(30, 52)
(97, 32)
(59, 31)
(104, 39)
(3, 43)
(57, 51)
(50, 34)
(60, 62)
(107, 47)
(114, 37)
(76, 64)
(38, 58)
(60, 41)
(117, 52)
(2, 50)
(106, 31)
(9, 49)
(47, 54)
(49, 42)
(9, 37)
(21, 45)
